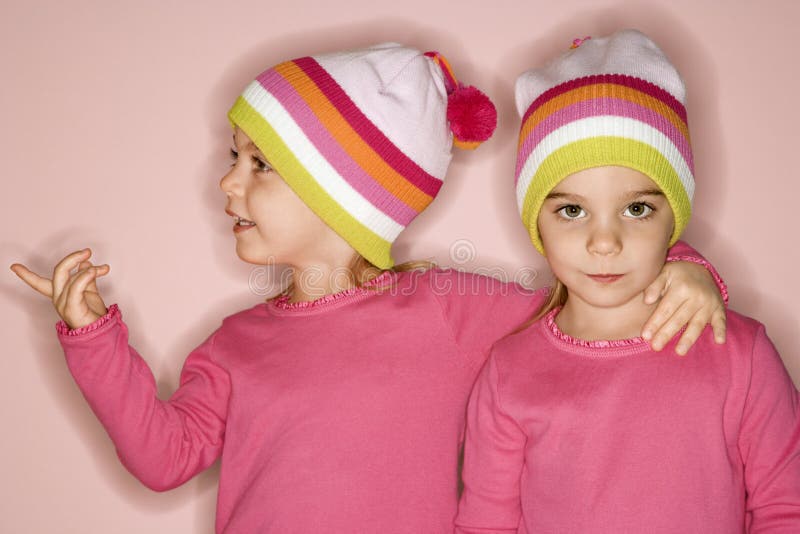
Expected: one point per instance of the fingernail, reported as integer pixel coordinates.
(681, 350)
(647, 334)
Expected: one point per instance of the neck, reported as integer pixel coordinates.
(583, 320)
(315, 280)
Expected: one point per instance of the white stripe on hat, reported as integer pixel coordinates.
(317, 166)
(603, 126)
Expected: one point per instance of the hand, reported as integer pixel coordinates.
(74, 295)
(689, 297)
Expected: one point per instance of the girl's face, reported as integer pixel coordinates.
(271, 224)
(606, 232)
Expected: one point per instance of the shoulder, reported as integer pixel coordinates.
(521, 345)
(455, 283)
(747, 348)
(743, 331)
(243, 318)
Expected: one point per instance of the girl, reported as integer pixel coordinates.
(574, 424)
(342, 412)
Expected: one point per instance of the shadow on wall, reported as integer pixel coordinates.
(66, 397)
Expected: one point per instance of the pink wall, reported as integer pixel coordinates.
(114, 136)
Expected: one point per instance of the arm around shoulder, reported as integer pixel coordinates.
(682, 251)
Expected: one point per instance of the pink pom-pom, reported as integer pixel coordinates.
(472, 116)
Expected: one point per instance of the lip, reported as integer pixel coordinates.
(605, 278)
(237, 228)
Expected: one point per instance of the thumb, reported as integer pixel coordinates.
(656, 289)
(99, 270)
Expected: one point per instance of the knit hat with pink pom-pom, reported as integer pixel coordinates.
(364, 137)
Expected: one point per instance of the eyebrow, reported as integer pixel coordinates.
(250, 144)
(568, 196)
(645, 193)
(629, 195)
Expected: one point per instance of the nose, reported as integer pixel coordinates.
(229, 183)
(604, 239)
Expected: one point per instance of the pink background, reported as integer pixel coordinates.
(114, 136)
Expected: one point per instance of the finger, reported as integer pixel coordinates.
(719, 323)
(691, 334)
(77, 312)
(672, 326)
(61, 272)
(656, 289)
(60, 300)
(39, 283)
(100, 270)
(664, 310)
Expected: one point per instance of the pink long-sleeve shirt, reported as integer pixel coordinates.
(345, 415)
(567, 436)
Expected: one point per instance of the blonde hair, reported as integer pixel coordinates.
(556, 298)
(362, 271)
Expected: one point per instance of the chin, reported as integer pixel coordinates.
(608, 297)
(248, 256)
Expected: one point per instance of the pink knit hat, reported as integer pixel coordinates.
(614, 100)
(364, 137)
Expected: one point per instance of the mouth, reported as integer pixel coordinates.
(605, 278)
(240, 224)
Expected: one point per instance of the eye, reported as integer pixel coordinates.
(571, 211)
(638, 210)
(261, 165)
(234, 157)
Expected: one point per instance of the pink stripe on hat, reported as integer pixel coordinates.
(368, 132)
(598, 107)
(318, 134)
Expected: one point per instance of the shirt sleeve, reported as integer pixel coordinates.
(480, 309)
(769, 442)
(681, 251)
(162, 443)
(494, 456)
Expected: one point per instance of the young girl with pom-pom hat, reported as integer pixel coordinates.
(339, 405)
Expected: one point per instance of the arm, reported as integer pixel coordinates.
(162, 443)
(682, 251)
(494, 455)
(769, 443)
(692, 295)
(479, 309)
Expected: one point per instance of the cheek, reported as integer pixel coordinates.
(649, 251)
(562, 239)
(282, 215)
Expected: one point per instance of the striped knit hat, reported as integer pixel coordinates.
(364, 137)
(609, 101)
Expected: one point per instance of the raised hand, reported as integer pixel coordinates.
(74, 294)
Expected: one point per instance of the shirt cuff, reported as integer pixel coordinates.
(63, 328)
(723, 288)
